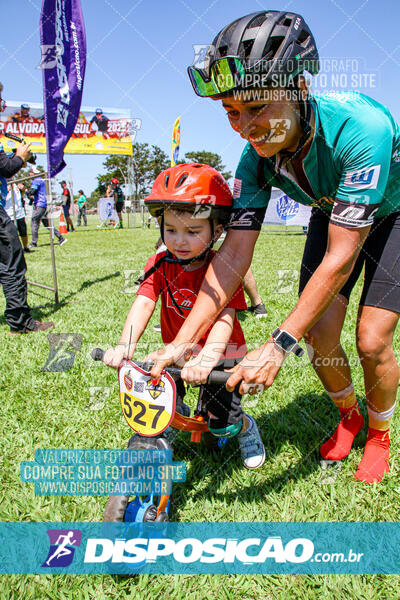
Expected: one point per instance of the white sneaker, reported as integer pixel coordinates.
(251, 447)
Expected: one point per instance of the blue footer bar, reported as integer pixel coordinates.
(191, 548)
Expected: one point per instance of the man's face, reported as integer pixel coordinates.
(25, 112)
(266, 118)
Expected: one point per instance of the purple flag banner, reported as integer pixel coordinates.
(63, 45)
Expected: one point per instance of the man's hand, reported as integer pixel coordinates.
(24, 151)
(259, 367)
(169, 355)
(197, 370)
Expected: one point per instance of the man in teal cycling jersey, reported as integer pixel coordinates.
(339, 153)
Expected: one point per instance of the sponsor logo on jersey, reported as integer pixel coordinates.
(237, 188)
(363, 178)
(244, 220)
(184, 298)
(353, 216)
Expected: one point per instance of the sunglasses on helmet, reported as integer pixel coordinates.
(225, 74)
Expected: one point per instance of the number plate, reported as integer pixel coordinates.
(147, 409)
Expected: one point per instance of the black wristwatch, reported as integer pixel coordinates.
(287, 342)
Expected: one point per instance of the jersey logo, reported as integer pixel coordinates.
(352, 213)
(244, 220)
(184, 298)
(364, 178)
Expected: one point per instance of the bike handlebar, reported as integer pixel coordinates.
(214, 378)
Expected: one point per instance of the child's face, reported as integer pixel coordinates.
(184, 235)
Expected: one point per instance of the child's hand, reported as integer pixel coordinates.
(114, 356)
(197, 370)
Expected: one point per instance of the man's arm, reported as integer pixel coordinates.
(225, 273)
(262, 364)
(197, 370)
(10, 166)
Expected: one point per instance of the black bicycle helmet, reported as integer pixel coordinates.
(271, 43)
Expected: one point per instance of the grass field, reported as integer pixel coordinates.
(56, 410)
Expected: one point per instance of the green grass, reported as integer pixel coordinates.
(53, 410)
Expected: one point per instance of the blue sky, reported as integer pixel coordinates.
(138, 51)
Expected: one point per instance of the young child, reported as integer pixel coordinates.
(193, 202)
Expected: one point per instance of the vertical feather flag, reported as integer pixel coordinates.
(63, 44)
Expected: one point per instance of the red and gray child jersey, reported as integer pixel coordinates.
(184, 287)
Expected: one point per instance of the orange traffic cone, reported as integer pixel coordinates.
(63, 228)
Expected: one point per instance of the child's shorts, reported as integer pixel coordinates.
(215, 399)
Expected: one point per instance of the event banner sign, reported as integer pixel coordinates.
(193, 548)
(110, 132)
(282, 210)
(63, 44)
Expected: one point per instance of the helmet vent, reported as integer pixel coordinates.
(303, 37)
(181, 180)
(166, 180)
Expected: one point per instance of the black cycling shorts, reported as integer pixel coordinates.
(119, 206)
(380, 255)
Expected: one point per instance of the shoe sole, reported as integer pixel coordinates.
(257, 467)
(11, 334)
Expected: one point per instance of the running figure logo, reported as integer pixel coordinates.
(62, 550)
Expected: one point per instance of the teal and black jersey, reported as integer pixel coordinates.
(352, 165)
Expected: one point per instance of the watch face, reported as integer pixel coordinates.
(286, 341)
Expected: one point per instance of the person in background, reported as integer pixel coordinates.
(67, 206)
(82, 203)
(110, 194)
(19, 212)
(257, 307)
(12, 261)
(38, 197)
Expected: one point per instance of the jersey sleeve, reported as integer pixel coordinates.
(151, 287)
(364, 153)
(250, 201)
(238, 301)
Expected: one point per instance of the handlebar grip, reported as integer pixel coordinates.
(97, 354)
(218, 377)
(215, 377)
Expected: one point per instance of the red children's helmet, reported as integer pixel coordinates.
(195, 187)
(114, 180)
